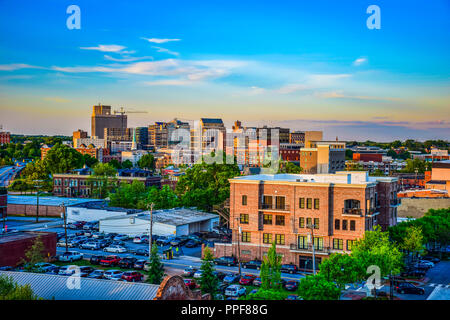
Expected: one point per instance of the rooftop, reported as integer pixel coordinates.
(15, 236)
(47, 201)
(103, 205)
(54, 286)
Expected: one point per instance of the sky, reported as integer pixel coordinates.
(307, 65)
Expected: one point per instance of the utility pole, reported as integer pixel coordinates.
(312, 226)
(63, 207)
(239, 246)
(150, 240)
(37, 186)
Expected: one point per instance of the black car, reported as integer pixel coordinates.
(127, 262)
(85, 271)
(407, 287)
(289, 268)
(141, 252)
(162, 241)
(139, 264)
(415, 273)
(226, 261)
(291, 285)
(253, 264)
(191, 244)
(95, 259)
(432, 259)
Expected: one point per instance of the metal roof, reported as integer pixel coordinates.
(47, 201)
(49, 286)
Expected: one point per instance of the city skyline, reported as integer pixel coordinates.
(312, 67)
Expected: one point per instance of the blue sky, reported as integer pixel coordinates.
(305, 64)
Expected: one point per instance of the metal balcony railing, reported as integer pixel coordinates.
(308, 248)
(395, 202)
(352, 211)
(274, 207)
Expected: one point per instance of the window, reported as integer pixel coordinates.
(338, 244)
(318, 243)
(344, 224)
(308, 222)
(302, 242)
(279, 220)
(352, 225)
(309, 203)
(301, 222)
(267, 238)
(350, 244)
(132, 221)
(337, 224)
(267, 219)
(316, 223)
(244, 200)
(245, 236)
(246, 252)
(280, 202)
(267, 202)
(301, 203)
(316, 204)
(244, 218)
(279, 238)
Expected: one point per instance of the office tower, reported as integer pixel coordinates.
(102, 118)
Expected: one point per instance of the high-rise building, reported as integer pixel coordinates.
(103, 118)
(158, 135)
(323, 157)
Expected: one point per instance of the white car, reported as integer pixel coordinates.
(67, 270)
(235, 290)
(112, 274)
(115, 249)
(427, 263)
(198, 274)
(70, 256)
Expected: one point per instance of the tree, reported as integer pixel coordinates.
(289, 167)
(35, 254)
(208, 281)
(413, 241)
(103, 180)
(89, 161)
(127, 164)
(317, 287)
(11, 290)
(104, 170)
(341, 268)
(156, 270)
(128, 195)
(116, 164)
(62, 159)
(147, 162)
(164, 198)
(262, 294)
(270, 270)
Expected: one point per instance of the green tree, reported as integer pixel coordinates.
(128, 195)
(62, 159)
(156, 270)
(127, 164)
(289, 167)
(262, 294)
(103, 180)
(89, 160)
(317, 287)
(342, 269)
(147, 162)
(271, 270)
(35, 254)
(116, 164)
(11, 290)
(164, 198)
(208, 281)
(104, 170)
(413, 241)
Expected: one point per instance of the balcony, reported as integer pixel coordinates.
(352, 211)
(272, 207)
(309, 248)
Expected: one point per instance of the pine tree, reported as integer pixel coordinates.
(156, 271)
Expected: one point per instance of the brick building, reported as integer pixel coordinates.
(5, 137)
(3, 203)
(322, 157)
(279, 208)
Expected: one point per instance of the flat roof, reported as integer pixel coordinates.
(103, 205)
(15, 236)
(47, 201)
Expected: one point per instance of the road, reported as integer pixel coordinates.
(7, 173)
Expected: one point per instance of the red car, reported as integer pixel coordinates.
(110, 261)
(132, 276)
(190, 283)
(247, 279)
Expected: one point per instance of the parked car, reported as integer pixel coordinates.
(139, 239)
(121, 237)
(75, 225)
(112, 274)
(247, 279)
(415, 273)
(176, 242)
(70, 256)
(95, 259)
(407, 287)
(98, 235)
(127, 263)
(231, 277)
(226, 261)
(191, 244)
(110, 261)
(139, 264)
(289, 268)
(219, 275)
(146, 266)
(189, 271)
(96, 274)
(132, 276)
(115, 248)
(141, 252)
(162, 241)
(90, 246)
(427, 263)
(190, 283)
(291, 285)
(253, 264)
(67, 270)
(235, 290)
(198, 274)
(257, 282)
(431, 258)
(54, 270)
(44, 266)
(85, 271)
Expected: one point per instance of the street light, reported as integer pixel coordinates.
(312, 227)
(65, 222)
(239, 245)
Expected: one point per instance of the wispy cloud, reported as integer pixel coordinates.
(159, 49)
(360, 61)
(127, 58)
(293, 88)
(340, 95)
(17, 66)
(105, 48)
(159, 40)
(169, 82)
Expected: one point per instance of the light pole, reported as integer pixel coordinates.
(65, 223)
(239, 246)
(312, 226)
(150, 240)
(37, 186)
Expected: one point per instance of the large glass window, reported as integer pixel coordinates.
(279, 238)
(245, 236)
(301, 222)
(338, 244)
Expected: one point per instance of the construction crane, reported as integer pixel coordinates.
(122, 112)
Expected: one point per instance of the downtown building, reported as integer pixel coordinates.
(288, 208)
(102, 118)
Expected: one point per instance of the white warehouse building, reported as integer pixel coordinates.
(168, 222)
(95, 211)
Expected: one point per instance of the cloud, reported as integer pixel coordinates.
(169, 82)
(17, 66)
(293, 88)
(158, 40)
(360, 61)
(159, 49)
(126, 58)
(339, 95)
(105, 48)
